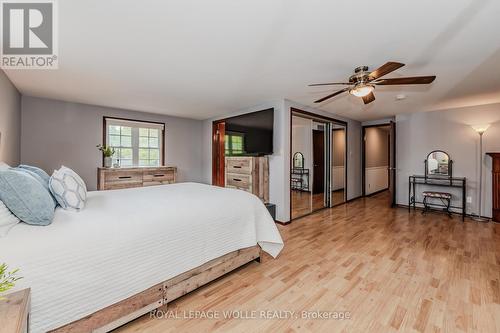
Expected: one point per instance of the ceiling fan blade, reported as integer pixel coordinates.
(406, 80)
(368, 98)
(385, 69)
(331, 95)
(329, 84)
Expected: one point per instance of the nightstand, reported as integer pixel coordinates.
(272, 210)
(14, 312)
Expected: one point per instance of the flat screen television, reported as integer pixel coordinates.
(250, 134)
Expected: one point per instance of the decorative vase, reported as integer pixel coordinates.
(108, 162)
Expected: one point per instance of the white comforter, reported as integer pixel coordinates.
(126, 241)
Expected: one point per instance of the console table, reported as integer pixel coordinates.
(452, 182)
(300, 179)
(495, 177)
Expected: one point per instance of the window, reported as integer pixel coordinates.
(136, 143)
(149, 143)
(234, 143)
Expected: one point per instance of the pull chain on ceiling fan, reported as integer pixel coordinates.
(362, 83)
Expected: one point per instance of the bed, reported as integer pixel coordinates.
(134, 243)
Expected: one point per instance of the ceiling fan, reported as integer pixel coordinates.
(362, 83)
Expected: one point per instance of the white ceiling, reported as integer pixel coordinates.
(200, 59)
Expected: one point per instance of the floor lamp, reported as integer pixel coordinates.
(480, 129)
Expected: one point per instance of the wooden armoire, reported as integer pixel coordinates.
(495, 169)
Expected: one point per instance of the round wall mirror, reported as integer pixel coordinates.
(438, 163)
(298, 160)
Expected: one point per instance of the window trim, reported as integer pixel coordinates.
(162, 146)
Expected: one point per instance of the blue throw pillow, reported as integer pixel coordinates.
(37, 176)
(26, 197)
(42, 174)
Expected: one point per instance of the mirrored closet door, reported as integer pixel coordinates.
(317, 173)
(338, 165)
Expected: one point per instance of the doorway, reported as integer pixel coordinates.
(379, 142)
(218, 153)
(318, 147)
(318, 157)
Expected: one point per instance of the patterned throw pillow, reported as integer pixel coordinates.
(68, 188)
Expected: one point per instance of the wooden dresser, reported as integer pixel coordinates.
(495, 177)
(14, 312)
(249, 174)
(120, 178)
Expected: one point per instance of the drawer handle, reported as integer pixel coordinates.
(237, 179)
(159, 176)
(124, 177)
(237, 166)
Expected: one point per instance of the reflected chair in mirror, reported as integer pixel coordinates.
(299, 175)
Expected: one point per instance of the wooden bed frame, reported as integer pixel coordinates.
(161, 294)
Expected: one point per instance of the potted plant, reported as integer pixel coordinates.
(108, 153)
(7, 279)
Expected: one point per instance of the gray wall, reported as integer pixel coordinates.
(10, 122)
(377, 147)
(418, 134)
(56, 133)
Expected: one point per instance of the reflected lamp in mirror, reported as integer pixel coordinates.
(438, 163)
(298, 160)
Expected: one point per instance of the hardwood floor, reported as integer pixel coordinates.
(392, 270)
(338, 197)
(304, 203)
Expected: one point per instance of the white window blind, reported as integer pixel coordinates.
(136, 143)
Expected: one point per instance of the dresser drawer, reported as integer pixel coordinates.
(239, 165)
(240, 181)
(121, 185)
(123, 176)
(154, 183)
(249, 173)
(159, 176)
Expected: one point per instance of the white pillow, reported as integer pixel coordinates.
(4, 166)
(7, 220)
(68, 188)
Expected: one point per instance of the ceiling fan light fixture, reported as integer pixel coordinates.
(362, 90)
(362, 83)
